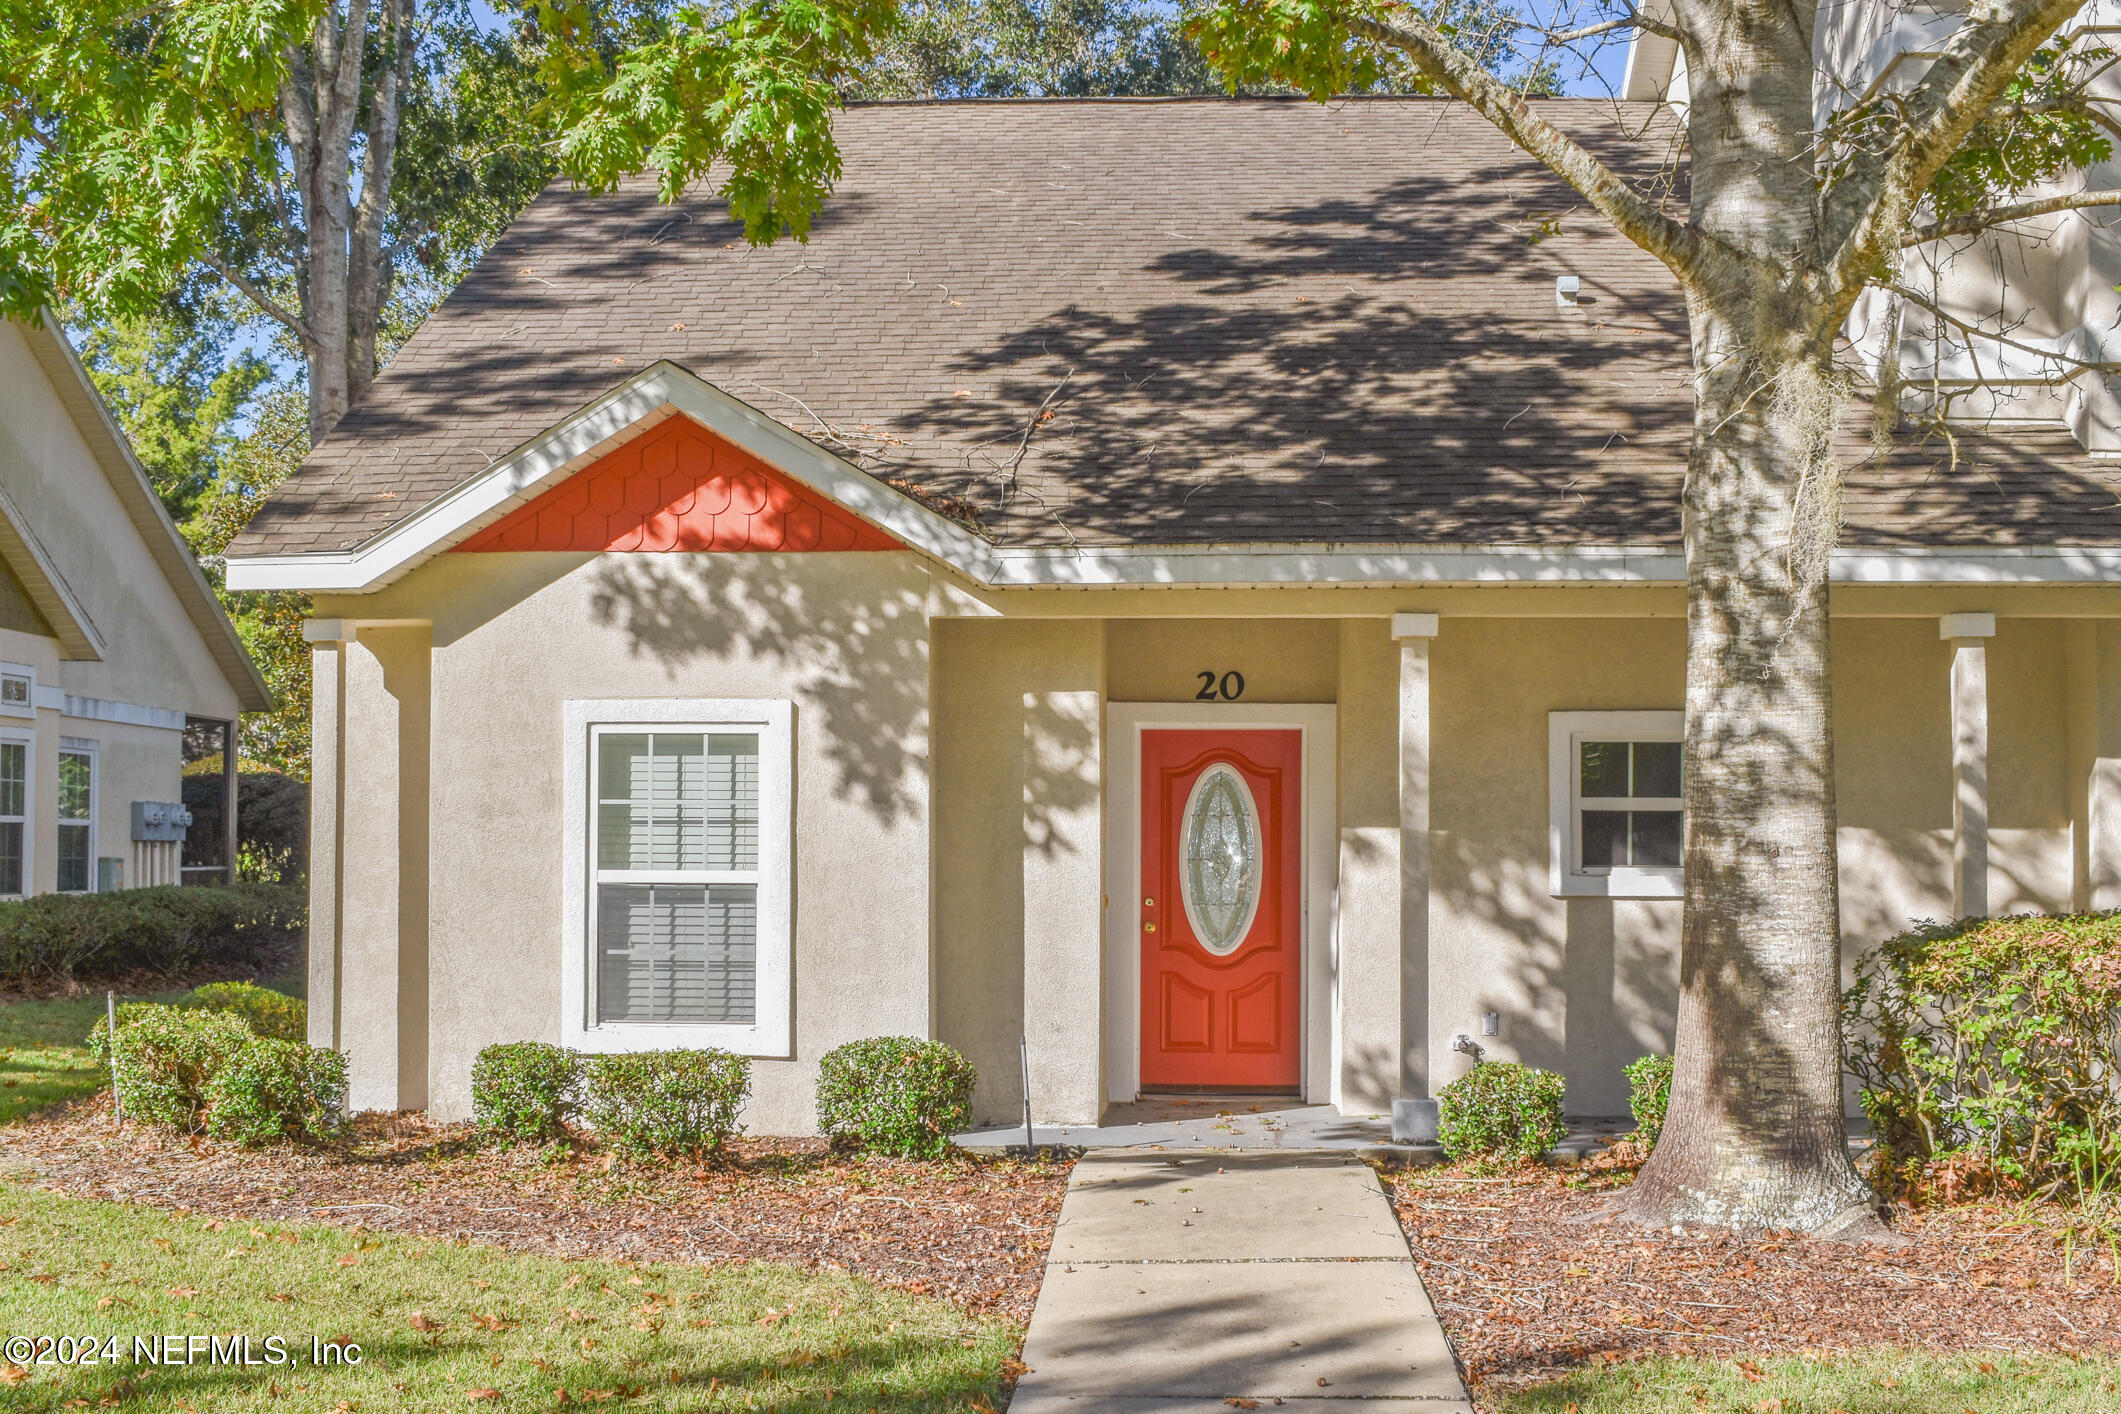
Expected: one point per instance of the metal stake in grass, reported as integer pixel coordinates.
(110, 1004)
(1023, 1052)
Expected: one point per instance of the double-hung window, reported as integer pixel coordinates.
(15, 758)
(1617, 825)
(77, 816)
(680, 933)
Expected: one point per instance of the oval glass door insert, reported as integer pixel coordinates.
(1219, 859)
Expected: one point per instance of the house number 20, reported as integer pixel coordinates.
(1227, 688)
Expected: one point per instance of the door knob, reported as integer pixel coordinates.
(1148, 927)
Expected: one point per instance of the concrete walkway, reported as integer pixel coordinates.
(1178, 1283)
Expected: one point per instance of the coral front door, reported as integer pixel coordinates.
(1221, 909)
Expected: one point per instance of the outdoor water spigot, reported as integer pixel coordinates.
(1471, 1047)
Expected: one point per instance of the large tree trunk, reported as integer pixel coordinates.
(319, 103)
(368, 270)
(1755, 1136)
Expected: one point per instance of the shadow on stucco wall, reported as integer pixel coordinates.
(852, 638)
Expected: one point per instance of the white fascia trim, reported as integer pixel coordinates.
(637, 405)
(47, 587)
(2000, 564)
(1270, 565)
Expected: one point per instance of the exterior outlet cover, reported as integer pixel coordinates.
(1490, 1023)
(1567, 290)
(159, 822)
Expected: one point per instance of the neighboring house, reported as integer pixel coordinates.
(1175, 581)
(118, 670)
(2028, 311)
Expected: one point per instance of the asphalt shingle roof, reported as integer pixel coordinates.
(1245, 321)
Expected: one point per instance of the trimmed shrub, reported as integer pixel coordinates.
(167, 1057)
(1987, 1050)
(167, 929)
(273, 1089)
(666, 1102)
(895, 1095)
(1649, 1096)
(525, 1090)
(271, 1014)
(1500, 1112)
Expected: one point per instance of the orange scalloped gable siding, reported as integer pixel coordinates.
(680, 488)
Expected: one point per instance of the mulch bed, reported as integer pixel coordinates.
(969, 1231)
(1527, 1289)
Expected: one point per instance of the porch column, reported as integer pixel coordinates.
(376, 837)
(2094, 717)
(1063, 863)
(1969, 635)
(327, 761)
(1414, 1112)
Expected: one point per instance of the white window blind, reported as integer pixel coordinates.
(677, 877)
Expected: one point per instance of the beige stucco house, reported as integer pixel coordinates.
(1191, 584)
(117, 666)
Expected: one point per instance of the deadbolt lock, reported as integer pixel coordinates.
(1148, 903)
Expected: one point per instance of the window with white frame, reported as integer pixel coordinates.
(18, 690)
(15, 756)
(684, 864)
(77, 816)
(1617, 825)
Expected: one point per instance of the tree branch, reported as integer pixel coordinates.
(1634, 19)
(1864, 210)
(1975, 222)
(1687, 251)
(258, 297)
(1974, 331)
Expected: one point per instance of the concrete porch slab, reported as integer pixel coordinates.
(1177, 1123)
(1225, 1207)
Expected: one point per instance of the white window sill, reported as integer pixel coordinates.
(1629, 883)
(620, 1039)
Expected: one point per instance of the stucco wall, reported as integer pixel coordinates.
(515, 636)
(1582, 985)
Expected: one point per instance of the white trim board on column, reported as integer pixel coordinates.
(1124, 723)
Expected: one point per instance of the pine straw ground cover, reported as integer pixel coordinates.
(968, 1231)
(1991, 1298)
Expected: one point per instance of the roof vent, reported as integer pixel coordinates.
(1566, 290)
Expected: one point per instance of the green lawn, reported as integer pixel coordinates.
(42, 1060)
(1876, 1382)
(441, 1326)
